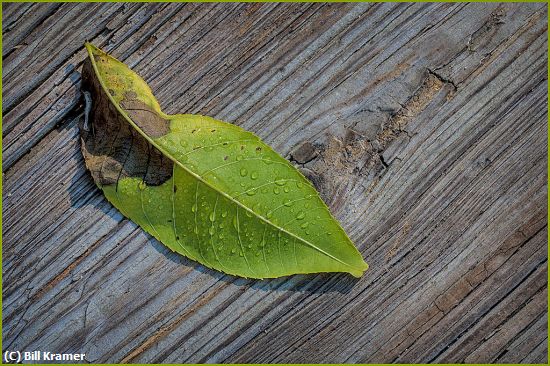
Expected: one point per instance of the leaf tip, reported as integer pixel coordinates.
(89, 46)
(93, 49)
(361, 270)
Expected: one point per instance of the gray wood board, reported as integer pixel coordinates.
(423, 126)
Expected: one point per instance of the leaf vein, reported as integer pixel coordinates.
(207, 146)
(236, 162)
(196, 229)
(263, 185)
(174, 227)
(241, 243)
(263, 249)
(212, 235)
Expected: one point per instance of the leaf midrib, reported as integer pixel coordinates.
(198, 177)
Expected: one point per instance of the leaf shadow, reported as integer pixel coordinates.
(318, 283)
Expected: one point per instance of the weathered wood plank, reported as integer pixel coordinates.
(428, 125)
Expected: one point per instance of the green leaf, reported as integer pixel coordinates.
(207, 189)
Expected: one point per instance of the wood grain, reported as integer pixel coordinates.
(424, 127)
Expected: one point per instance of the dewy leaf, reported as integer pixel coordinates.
(206, 189)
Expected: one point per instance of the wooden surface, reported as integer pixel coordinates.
(424, 127)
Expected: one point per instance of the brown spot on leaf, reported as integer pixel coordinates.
(129, 95)
(144, 117)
